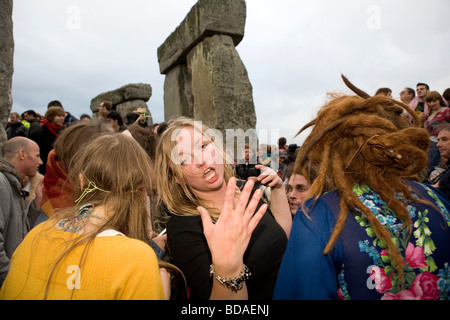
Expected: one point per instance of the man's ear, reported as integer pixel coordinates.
(21, 154)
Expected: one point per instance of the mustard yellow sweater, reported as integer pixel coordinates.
(116, 267)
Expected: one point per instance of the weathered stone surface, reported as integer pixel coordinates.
(177, 93)
(207, 17)
(134, 91)
(137, 91)
(6, 65)
(130, 106)
(205, 77)
(221, 90)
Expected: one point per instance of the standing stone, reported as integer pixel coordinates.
(6, 65)
(177, 93)
(205, 77)
(221, 90)
(124, 99)
(132, 105)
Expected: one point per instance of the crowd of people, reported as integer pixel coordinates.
(111, 207)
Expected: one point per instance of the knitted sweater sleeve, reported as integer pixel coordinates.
(134, 275)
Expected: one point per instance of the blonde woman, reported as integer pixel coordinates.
(223, 248)
(97, 249)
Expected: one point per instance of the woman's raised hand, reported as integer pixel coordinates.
(228, 238)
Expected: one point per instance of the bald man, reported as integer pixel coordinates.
(21, 160)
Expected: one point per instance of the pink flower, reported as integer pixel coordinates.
(425, 287)
(383, 282)
(415, 257)
(340, 294)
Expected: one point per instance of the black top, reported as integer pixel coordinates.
(245, 170)
(190, 252)
(444, 183)
(16, 129)
(45, 139)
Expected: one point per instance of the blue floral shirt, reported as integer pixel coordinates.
(359, 267)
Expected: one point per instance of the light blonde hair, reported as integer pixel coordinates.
(173, 191)
(74, 137)
(118, 164)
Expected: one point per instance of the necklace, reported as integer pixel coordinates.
(77, 223)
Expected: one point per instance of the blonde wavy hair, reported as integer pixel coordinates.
(173, 192)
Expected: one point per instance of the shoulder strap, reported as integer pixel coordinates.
(110, 233)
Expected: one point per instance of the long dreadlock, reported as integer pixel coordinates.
(371, 144)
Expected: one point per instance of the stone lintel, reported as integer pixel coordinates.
(206, 18)
(132, 91)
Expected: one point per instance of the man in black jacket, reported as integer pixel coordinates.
(35, 124)
(15, 127)
(246, 166)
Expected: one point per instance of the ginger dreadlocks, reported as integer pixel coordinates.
(364, 140)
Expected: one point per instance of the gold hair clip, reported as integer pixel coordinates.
(90, 188)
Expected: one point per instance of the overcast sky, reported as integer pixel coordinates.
(294, 52)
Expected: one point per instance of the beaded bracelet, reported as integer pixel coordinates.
(234, 284)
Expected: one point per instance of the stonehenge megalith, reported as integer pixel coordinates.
(6, 65)
(125, 99)
(205, 77)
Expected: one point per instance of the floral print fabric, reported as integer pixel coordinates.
(359, 266)
(423, 279)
